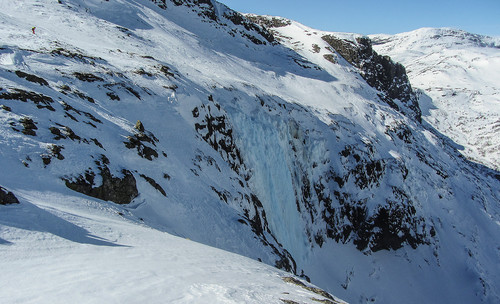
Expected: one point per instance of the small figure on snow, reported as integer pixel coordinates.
(33, 29)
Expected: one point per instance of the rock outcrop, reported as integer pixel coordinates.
(120, 190)
(7, 197)
(380, 72)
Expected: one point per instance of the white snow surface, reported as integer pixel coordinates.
(292, 113)
(58, 248)
(458, 75)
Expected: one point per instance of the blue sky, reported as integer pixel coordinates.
(381, 16)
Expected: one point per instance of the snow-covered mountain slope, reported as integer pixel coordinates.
(458, 74)
(188, 118)
(60, 248)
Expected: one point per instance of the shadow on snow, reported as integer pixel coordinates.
(30, 217)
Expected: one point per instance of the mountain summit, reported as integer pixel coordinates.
(456, 74)
(126, 122)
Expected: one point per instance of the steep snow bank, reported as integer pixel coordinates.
(58, 248)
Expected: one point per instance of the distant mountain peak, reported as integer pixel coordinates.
(455, 71)
(433, 37)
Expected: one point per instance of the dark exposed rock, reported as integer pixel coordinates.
(124, 30)
(65, 89)
(104, 160)
(29, 126)
(319, 239)
(133, 92)
(316, 48)
(204, 8)
(143, 150)
(316, 290)
(326, 301)
(345, 48)
(32, 78)
(285, 260)
(166, 71)
(84, 97)
(67, 108)
(46, 159)
(141, 71)
(75, 55)
(120, 190)
(137, 142)
(196, 112)
(217, 133)
(113, 96)
(41, 101)
(368, 173)
(269, 22)
(154, 184)
(306, 64)
(6, 108)
(97, 143)
(87, 77)
(161, 4)
(238, 19)
(55, 150)
(69, 133)
(390, 222)
(393, 225)
(208, 11)
(401, 131)
(205, 159)
(57, 132)
(330, 58)
(139, 126)
(380, 72)
(259, 225)
(424, 157)
(7, 197)
(223, 194)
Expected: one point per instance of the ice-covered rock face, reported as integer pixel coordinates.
(278, 156)
(280, 152)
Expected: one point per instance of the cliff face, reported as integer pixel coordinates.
(295, 147)
(380, 72)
